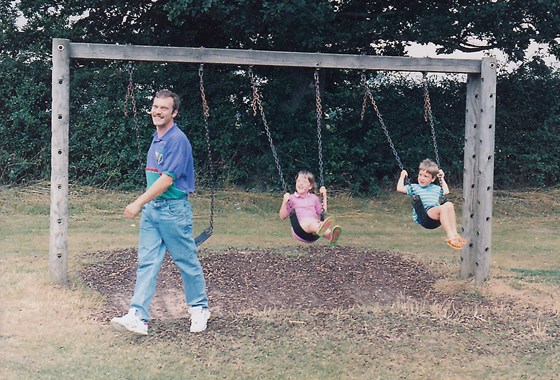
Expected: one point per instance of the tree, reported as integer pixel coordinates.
(464, 25)
(380, 27)
(527, 133)
(104, 146)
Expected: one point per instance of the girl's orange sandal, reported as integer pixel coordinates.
(457, 242)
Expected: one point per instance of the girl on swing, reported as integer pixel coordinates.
(436, 214)
(307, 207)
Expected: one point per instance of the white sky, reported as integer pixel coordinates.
(430, 51)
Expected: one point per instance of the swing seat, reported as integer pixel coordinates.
(422, 215)
(301, 240)
(299, 233)
(203, 236)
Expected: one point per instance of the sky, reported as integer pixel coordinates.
(429, 50)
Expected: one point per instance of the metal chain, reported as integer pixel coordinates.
(429, 117)
(257, 104)
(131, 96)
(368, 95)
(319, 109)
(206, 113)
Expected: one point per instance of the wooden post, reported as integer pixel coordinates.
(478, 177)
(58, 246)
(469, 177)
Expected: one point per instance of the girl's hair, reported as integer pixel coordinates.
(311, 178)
(429, 166)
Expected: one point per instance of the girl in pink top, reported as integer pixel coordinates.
(308, 209)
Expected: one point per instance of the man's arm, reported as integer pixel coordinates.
(157, 188)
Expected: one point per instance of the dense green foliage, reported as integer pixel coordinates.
(105, 144)
(528, 126)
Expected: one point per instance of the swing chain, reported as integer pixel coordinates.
(257, 103)
(131, 96)
(256, 96)
(429, 117)
(319, 109)
(206, 113)
(368, 95)
(205, 108)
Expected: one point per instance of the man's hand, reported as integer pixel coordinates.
(132, 210)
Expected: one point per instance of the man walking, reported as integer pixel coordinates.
(166, 221)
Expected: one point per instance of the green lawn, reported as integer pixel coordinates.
(49, 332)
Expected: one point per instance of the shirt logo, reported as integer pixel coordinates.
(159, 157)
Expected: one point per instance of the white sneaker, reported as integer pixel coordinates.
(130, 322)
(199, 318)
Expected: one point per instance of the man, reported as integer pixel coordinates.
(166, 221)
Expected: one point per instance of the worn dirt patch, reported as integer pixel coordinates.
(303, 278)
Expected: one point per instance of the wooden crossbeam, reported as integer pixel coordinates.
(271, 58)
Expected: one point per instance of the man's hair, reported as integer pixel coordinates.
(429, 166)
(311, 178)
(169, 94)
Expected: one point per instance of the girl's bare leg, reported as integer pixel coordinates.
(310, 226)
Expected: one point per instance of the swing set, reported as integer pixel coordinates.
(479, 127)
(303, 235)
(428, 117)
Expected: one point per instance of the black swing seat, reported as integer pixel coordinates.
(300, 231)
(423, 217)
(203, 236)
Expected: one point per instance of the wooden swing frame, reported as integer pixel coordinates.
(480, 116)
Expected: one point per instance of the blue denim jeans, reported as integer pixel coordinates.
(166, 225)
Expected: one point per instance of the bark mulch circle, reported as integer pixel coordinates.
(296, 278)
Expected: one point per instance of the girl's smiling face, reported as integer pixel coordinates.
(425, 178)
(303, 185)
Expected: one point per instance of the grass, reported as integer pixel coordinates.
(540, 275)
(47, 331)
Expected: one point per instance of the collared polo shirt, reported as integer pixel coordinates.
(171, 154)
(306, 206)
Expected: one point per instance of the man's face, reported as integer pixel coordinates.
(162, 112)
